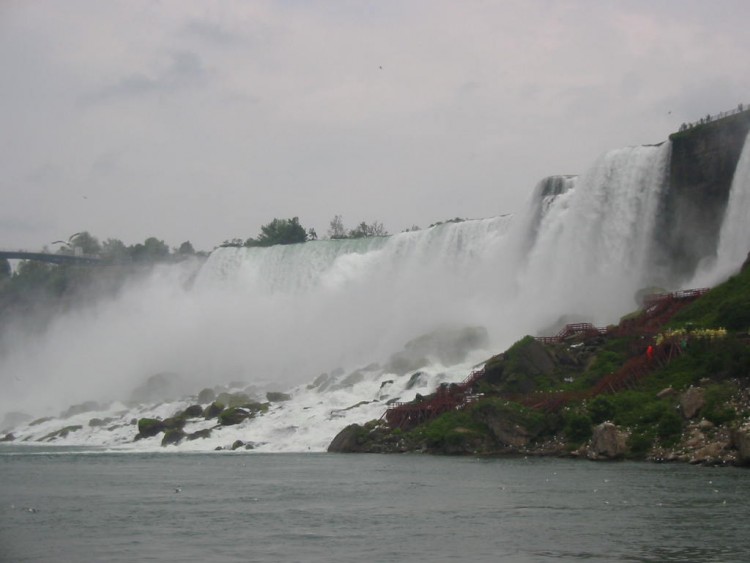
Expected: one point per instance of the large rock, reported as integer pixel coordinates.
(173, 436)
(448, 345)
(148, 427)
(740, 439)
(608, 442)
(692, 401)
(348, 440)
(277, 396)
(232, 416)
(213, 410)
(518, 369)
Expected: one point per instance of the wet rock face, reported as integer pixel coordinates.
(702, 166)
(346, 441)
(159, 387)
(449, 346)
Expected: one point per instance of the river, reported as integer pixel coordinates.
(69, 504)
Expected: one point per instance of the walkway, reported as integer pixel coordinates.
(658, 309)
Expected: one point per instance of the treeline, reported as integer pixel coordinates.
(41, 286)
(150, 250)
(290, 231)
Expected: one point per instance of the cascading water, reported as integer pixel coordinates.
(734, 239)
(280, 316)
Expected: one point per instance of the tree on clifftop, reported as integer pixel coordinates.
(279, 231)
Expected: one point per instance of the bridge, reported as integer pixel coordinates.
(82, 259)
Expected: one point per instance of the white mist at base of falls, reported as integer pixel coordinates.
(278, 317)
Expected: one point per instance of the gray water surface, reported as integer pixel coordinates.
(58, 505)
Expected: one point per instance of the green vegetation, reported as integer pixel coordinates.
(678, 406)
(337, 230)
(727, 305)
(279, 231)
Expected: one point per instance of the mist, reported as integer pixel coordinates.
(279, 316)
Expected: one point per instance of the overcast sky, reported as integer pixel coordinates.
(201, 121)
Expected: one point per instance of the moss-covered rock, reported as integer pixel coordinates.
(173, 436)
(62, 433)
(213, 410)
(193, 411)
(232, 416)
(277, 397)
(518, 370)
(199, 434)
(148, 427)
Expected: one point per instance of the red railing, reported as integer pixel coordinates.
(658, 309)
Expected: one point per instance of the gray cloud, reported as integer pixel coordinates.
(184, 70)
(204, 121)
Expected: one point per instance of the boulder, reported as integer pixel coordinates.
(173, 422)
(9, 437)
(277, 397)
(62, 433)
(148, 427)
(415, 379)
(206, 396)
(199, 434)
(40, 420)
(173, 436)
(608, 442)
(213, 410)
(347, 441)
(740, 440)
(193, 411)
(232, 416)
(237, 444)
(95, 422)
(666, 392)
(692, 401)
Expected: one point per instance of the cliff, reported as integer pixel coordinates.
(702, 165)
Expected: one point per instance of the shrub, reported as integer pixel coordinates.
(577, 426)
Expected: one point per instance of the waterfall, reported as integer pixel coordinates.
(281, 316)
(734, 238)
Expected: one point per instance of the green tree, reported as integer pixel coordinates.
(374, 229)
(336, 229)
(88, 243)
(115, 250)
(5, 269)
(152, 250)
(186, 249)
(279, 231)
